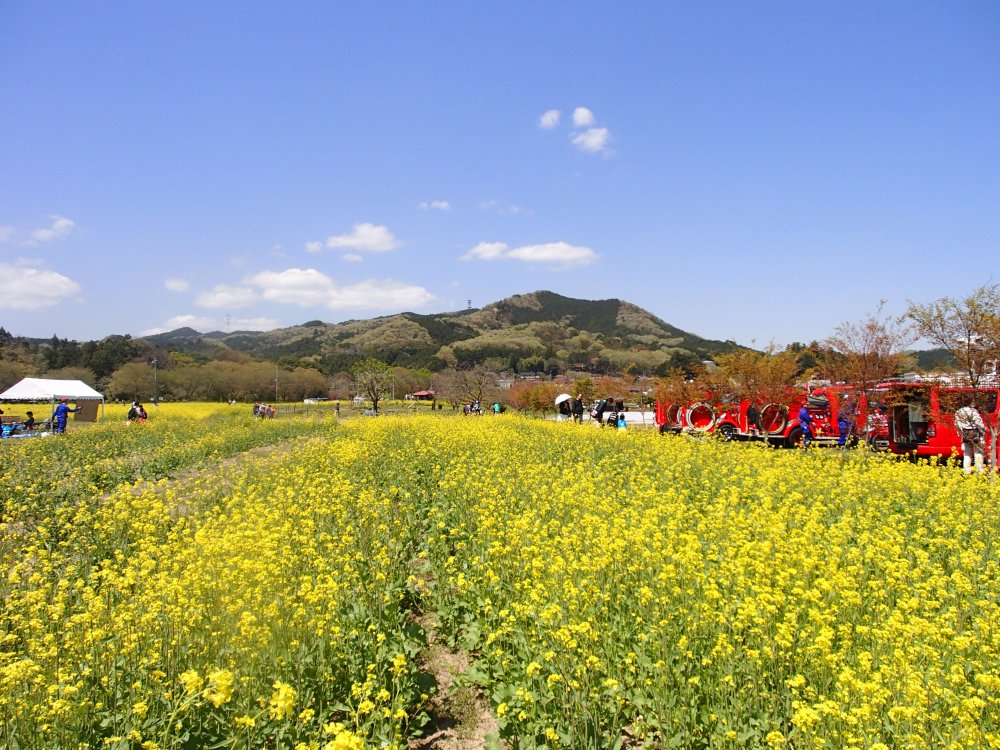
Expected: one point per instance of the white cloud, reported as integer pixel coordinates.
(352, 257)
(549, 119)
(28, 288)
(296, 286)
(364, 237)
(314, 247)
(487, 251)
(559, 254)
(554, 252)
(503, 209)
(176, 285)
(379, 294)
(583, 117)
(60, 227)
(594, 140)
(222, 297)
(436, 205)
(311, 288)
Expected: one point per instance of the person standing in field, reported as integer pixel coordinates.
(577, 409)
(805, 422)
(608, 415)
(846, 415)
(61, 414)
(972, 430)
(565, 410)
(753, 418)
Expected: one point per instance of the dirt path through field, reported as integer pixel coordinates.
(464, 720)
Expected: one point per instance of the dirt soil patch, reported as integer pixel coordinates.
(462, 716)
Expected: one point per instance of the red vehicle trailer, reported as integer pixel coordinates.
(921, 418)
(670, 416)
(700, 416)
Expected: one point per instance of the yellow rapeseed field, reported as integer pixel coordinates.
(615, 589)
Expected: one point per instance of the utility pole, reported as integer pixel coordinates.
(275, 384)
(156, 386)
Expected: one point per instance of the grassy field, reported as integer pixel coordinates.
(208, 580)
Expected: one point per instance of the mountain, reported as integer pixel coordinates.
(541, 330)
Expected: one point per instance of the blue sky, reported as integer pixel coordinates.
(749, 171)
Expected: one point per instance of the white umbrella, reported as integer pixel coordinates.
(562, 397)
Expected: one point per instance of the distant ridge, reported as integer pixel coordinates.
(541, 330)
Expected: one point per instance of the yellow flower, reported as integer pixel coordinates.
(398, 664)
(220, 687)
(345, 740)
(245, 722)
(192, 681)
(282, 701)
(775, 739)
(333, 727)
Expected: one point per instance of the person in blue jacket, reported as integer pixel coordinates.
(60, 415)
(805, 422)
(846, 415)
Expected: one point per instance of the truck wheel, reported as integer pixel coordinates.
(794, 438)
(726, 431)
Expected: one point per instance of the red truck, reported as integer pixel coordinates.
(921, 418)
(778, 421)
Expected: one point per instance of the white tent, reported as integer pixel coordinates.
(40, 389)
